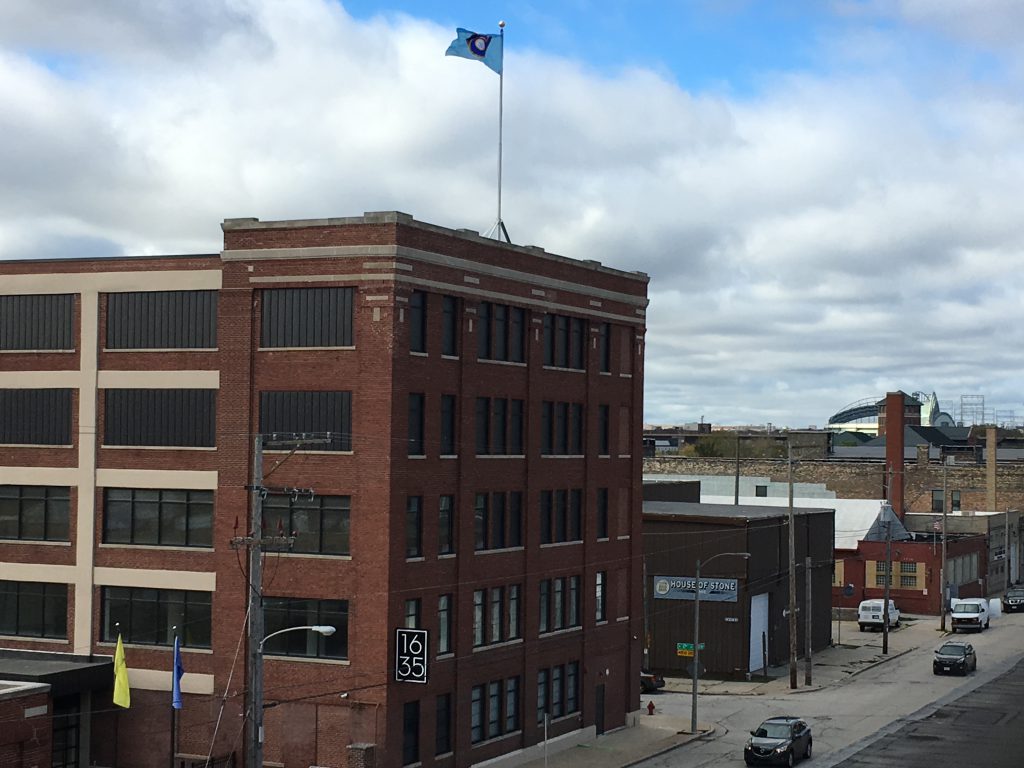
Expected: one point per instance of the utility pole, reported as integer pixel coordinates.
(888, 581)
(943, 565)
(808, 634)
(255, 542)
(737, 497)
(792, 573)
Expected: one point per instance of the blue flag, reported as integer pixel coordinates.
(176, 674)
(483, 48)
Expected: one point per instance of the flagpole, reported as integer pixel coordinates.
(174, 712)
(501, 99)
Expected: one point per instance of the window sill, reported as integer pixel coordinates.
(445, 656)
(34, 445)
(513, 363)
(159, 447)
(625, 456)
(449, 357)
(566, 370)
(313, 555)
(495, 739)
(28, 639)
(502, 644)
(563, 456)
(417, 456)
(303, 349)
(554, 544)
(604, 455)
(158, 349)
(415, 353)
(154, 547)
(622, 618)
(448, 456)
(446, 556)
(153, 646)
(36, 541)
(501, 455)
(625, 375)
(307, 660)
(623, 538)
(604, 373)
(37, 351)
(558, 632)
(416, 559)
(312, 453)
(497, 551)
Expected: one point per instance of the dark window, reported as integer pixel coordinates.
(558, 690)
(601, 596)
(444, 624)
(937, 502)
(67, 720)
(476, 714)
(515, 428)
(418, 322)
(33, 609)
(416, 424)
(495, 705)
(307, 317)
(511, 704)
(35, 416)
(572, 686)
(36, 322)
(602, 513)
(449, 426)
(564, 342)
(410, 732)
(561, 429)
(559, 603)
(496, 622)
(483, 426)
(284, 612)
(496, 615)
(605, 347)
(320, 524)
(494, 709)
(561, 516)
(446, 525)
(162, 320)
(158, 517)
(443, 725)
(412, 613)
(414, 526)
(149, 616)
(161, 417)
(499, 424)
(479, 631)
(304, 412)
(514, 613)
(542, 694)
(603, 421)
(498, 520)
(501, 333)
(954, 501)
(761, 490)
(34, 512)
(449, 326)
(499, 427)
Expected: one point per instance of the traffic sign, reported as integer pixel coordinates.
(686, 649)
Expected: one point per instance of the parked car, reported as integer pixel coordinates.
(956, 657)
(650, 682)
(778, 741)
(970, 613)
(869, 615)
(1013, 600)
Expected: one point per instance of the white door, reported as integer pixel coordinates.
(758, 629)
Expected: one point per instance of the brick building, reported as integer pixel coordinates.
(478, 408)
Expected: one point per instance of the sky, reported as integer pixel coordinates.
(827, 195)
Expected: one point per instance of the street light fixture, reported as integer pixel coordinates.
(696, 631)
(256, 728)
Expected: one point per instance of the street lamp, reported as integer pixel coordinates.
(256, 720)
(696, 631)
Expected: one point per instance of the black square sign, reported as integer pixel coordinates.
(410, 655)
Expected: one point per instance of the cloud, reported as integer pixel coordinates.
(835, 233)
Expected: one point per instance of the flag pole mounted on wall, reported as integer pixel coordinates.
(488, 50)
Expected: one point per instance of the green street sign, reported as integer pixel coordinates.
(687, 647)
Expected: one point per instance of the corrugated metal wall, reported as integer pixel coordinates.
(162, 320)
(37, 322)
(306, 317)
(309, 412)
(157, 417)
(35, 416)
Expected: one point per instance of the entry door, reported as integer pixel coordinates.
(758, 629)
(599, 709)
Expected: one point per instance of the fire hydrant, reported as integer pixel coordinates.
(650, 707)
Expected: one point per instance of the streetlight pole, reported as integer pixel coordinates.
(791, 525)
(696, 631)
(256, 733)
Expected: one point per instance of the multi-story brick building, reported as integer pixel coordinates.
(481, 481)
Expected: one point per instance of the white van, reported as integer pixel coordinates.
(970, 613)
(869, 615)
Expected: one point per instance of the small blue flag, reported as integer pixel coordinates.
(483, 48)
(179, 670)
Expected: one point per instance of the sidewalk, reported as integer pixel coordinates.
(658, 733)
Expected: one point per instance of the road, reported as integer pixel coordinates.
(865, 711)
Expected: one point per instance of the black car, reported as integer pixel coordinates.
(1013, 600)
(954, 657)
(650, 682)
(778, 741)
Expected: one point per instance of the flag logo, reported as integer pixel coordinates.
(487, 49)
(122, 693)
(176, 674)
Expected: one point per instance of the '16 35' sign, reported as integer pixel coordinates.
(682, 588)
(410, 655)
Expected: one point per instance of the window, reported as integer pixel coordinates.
(410, 732)
(937, 502)
(320, 524)
(881, 571)
(498, 520)
(284, 612)
(449, 326)
(162, 320)
(412, 613)
(908, 582)
(317, 412)
(625, 345)
(306, 317)
(449, 426)
(501, 334)
(479, 634)
(561, 429)
(604, 343)
(761, 491)
(954, 501)
(495, 704)
(443, 725)
(908, 567)
(35, 416)
(34, 609)
(559, 603)
(37, 322)
(601, 596)
(416, 424)
(558, 690)
(603, 444)
(414, 526)
(149, 616)
(496, 616)
(418, 322)
(561, 516)
(499, 427)
(34, 512)
(170, 518)
(161, 417)
(444, 624)
(446, 525)
(602, 513)
(564, 342)
(625, 430)
(513, 612)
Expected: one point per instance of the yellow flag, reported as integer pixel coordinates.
(122, 693)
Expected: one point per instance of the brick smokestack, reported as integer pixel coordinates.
(991, 441)
(892, 427)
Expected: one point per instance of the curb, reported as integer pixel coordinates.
(703, 734)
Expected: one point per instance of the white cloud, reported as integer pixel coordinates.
(831, 236)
